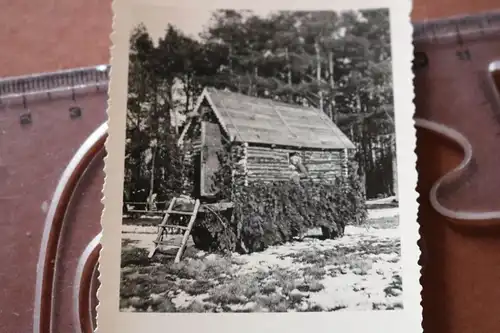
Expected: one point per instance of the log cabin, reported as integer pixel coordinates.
(272, 140)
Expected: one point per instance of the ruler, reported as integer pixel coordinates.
(457, 115)
(456, 63)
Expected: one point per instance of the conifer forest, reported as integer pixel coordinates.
(339, 62)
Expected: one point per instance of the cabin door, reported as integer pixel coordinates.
(211, 145)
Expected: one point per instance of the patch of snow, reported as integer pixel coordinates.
(383, 212)
(267, 260)
(358, 292)
(156, 297)
(381, 201)
(151, 217)
(183, 299)
(141, 236)
(250, 306)
(352, 232)
(138, 229)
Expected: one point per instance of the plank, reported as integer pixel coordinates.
(178, 212)
(174, 226)
(283, 160)
(267, 168)
(244, 114)
(219, 206)
(188, 232)
(159, 236)
(212, 144)
(305, 122)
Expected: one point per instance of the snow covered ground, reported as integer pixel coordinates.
(383, 213)
(360, 271)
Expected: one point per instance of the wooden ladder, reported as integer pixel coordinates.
(164, 226)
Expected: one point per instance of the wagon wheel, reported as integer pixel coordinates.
(202, 239)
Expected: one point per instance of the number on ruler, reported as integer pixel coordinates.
(464, 55)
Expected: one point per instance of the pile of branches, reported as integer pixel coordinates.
(272, 213)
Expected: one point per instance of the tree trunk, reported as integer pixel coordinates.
(332, 86)
(187, 92)
(289, 67)
(394, 168)
(318, 76)
(152, 178)
(172, 109)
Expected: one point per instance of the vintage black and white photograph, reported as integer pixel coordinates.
(260, 166)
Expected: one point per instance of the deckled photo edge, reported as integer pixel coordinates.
(109, 315)
(119, 21)
(407, 166)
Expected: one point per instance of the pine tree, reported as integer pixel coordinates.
(139, 77)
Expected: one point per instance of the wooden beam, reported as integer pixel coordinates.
(282, 119)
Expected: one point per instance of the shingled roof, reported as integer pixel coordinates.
(265, 121)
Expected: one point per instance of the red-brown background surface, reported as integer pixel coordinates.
(49, 35)
(46, 35)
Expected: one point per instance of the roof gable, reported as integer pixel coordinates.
(264, 121)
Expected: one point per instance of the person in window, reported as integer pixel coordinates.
(299, 171)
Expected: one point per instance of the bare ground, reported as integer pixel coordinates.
(360, 271)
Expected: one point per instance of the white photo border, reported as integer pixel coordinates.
(111, 319)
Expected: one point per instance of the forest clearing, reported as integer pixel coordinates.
(359, 271)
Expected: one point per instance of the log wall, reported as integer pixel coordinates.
(272, 164)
